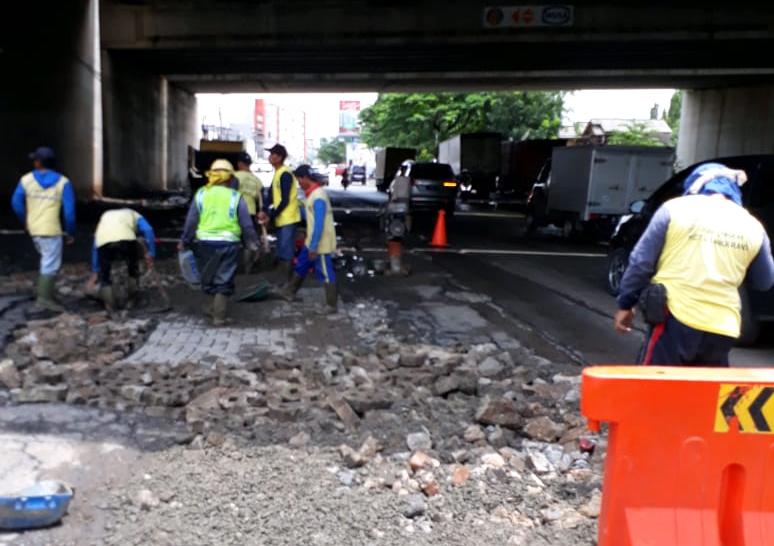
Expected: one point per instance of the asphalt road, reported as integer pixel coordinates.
(555, 286)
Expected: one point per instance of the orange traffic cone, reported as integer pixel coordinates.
(439, 234)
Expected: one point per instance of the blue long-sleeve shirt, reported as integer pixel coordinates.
(46, 179)
(320, 210)
(644, 259)
(147, 233)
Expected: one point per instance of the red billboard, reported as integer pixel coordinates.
(349, 110)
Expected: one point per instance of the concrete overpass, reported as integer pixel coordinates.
(111, 83)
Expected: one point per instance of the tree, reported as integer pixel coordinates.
(332, 151)
(672, 116)
(423, 120)
(636, 134)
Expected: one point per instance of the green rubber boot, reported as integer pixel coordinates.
(219, 310)
(291, 288)
(45, 294)
(108, 298)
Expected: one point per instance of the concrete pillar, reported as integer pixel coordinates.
(51, 94)
(149, 124)
(725, 122)
(182, 132)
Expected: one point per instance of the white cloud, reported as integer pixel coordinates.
(581, 106)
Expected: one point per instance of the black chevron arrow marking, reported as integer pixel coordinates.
(756, 409)
(728, 406)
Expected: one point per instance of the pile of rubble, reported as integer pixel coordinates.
(454, 446)
(446, 439)
(63, 358)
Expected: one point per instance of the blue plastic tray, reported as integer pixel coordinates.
(41, 505)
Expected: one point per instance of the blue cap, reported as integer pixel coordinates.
(43, 153)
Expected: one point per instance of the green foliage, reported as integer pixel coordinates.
(672, 116)
(636, 134)
(423, 120)
(332, 150)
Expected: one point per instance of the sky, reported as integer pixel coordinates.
(322, 109)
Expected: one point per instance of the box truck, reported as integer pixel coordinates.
(475, 160)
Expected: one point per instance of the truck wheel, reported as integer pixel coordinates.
(751, 326)
(569, 229)
(617, 261)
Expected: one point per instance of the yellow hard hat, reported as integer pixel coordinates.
(222, 165)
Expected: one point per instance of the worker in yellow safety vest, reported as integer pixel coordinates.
(116, 239)
(42, 197)
(217, 221)
(250, 188)
(685, 272)
(320, 244)
(284, 209)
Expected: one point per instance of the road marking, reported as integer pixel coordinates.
(745, 408)
(12, 232)
(473, 214)
(511, 252)
(484, 251)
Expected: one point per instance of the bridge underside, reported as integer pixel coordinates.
(110, 84)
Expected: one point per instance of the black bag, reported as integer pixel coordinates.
(653, 304)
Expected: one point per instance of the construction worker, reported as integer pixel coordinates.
(284, 209)
(686, 269)
(41, 197)
(116, 239)
(217, 220)
(250, 188)
(320, 243)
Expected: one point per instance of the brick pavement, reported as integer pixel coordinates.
(179, 339)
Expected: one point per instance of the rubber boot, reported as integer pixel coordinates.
(108, 298)
(219, 310)
(331, 298)
(291, 288)
(45, 297)
(207, 308)
(132, 293)
(248, 257)
(285, 271)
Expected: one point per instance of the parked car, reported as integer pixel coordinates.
(433, 186)
(758, 198)
(357, 174)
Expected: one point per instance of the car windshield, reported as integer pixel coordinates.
(674, 186)
(431, 171)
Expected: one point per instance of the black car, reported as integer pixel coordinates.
(433, 186)
(758, 198)
(357, 174)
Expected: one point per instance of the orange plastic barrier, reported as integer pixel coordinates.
(690, 458)
(439, 233)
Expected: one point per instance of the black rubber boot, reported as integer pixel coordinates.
(331, 298)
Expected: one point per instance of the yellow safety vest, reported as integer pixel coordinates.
(116, 225)
(250, 188)
(218, 214)
(709, 245)
(291, 214)
(327, 244)
(43, 206)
